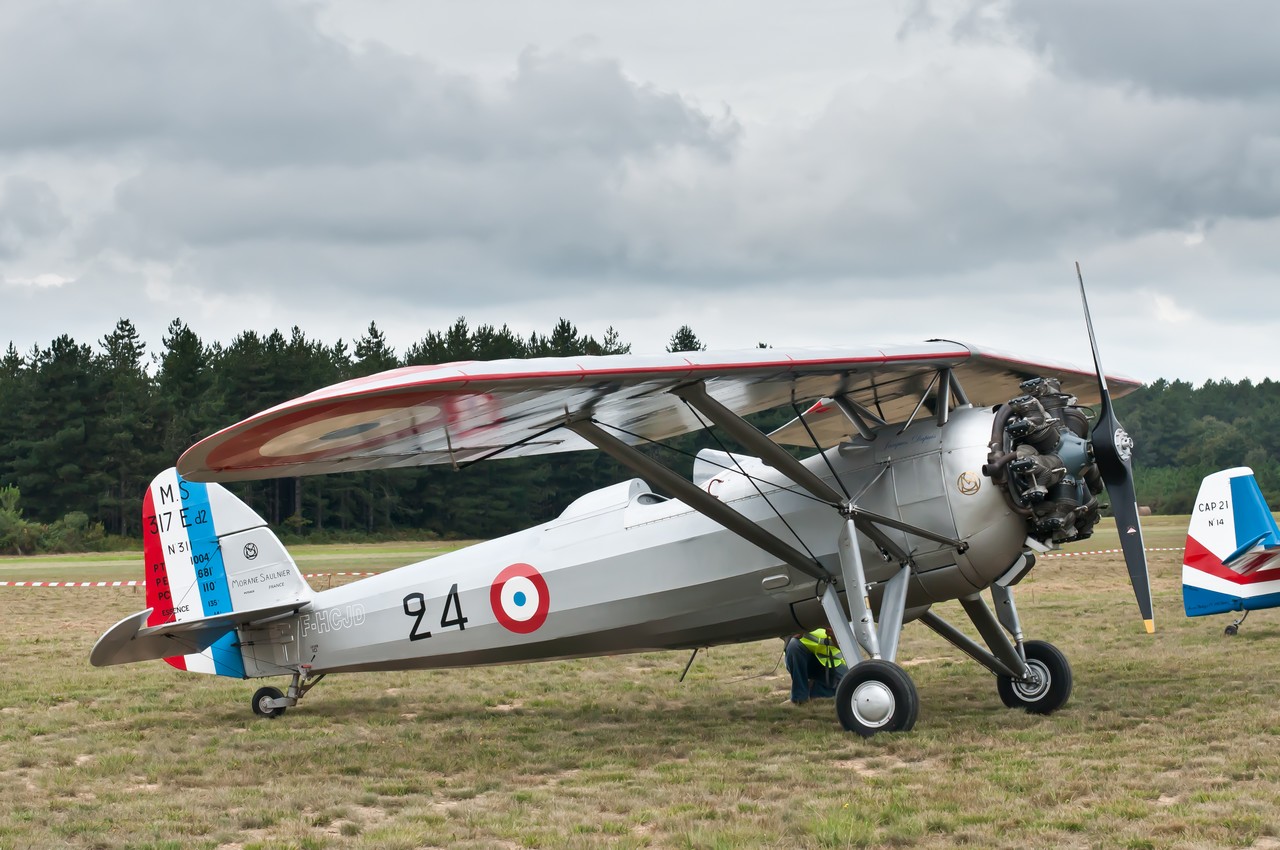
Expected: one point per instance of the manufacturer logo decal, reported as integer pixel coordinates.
(1124, 444)
(968, 483)
(250, 551)
(520, 599)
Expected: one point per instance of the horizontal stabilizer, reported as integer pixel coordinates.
(1256, 554)
(211, 565)
(132, 639)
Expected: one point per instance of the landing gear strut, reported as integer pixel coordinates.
(269, 702)
(1030, 674)
(876, 695)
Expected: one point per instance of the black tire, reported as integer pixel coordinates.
(1230, 631)
(1052, 688)
(877, 696)
(262, 695)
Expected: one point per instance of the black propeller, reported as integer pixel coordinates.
(1113, 451)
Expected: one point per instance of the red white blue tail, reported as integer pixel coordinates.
(212, 565)
(1232, 562)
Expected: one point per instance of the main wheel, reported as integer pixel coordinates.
(1051, 681)
(876, 696)
(262, 702)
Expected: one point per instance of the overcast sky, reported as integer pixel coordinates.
(817, 173)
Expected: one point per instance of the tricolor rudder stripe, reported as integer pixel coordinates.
(212, 568)
(186, 578)
(209, 555)
(1232, 560)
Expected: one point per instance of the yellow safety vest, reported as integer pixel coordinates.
(823, 647)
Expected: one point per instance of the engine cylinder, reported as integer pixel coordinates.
(1040, 454)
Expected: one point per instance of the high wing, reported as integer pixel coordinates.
(457, 413)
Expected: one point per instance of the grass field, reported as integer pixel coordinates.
(1169, 740)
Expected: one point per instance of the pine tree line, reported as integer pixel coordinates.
(83, 430)
(1183, 433)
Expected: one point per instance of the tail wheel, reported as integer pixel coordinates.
(877, 696)
(262, 699)
(1049, 685)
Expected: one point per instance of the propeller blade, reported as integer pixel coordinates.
(1113, 451)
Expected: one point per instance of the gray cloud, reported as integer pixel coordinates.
(249, 166)
(1194, 48)
(29, 211)
(254, 84)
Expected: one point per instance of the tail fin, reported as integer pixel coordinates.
(1232, 562)
(212, 564)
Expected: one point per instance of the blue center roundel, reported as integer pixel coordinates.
(519, 598)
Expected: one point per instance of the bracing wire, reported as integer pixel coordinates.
(821, 453)
(754, 483)
(793, 489)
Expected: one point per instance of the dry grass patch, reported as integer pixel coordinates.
(1168, 742)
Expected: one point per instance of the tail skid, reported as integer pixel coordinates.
(1232, 560)
(212, 565)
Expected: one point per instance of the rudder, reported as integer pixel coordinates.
(209, 555)
(1233, 547)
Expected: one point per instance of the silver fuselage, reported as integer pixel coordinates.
(627, 571)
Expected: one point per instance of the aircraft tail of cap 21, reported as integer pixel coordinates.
(1232, 560)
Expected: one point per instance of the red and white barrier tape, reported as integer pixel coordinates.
(134, 583)
(72, 583)
(1109, 552)
(326, 575)
(323, 575)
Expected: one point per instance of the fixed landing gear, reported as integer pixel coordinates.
(265, 702)
(1231, 630)
(269, 702)
(876, 696)
(1047, 685)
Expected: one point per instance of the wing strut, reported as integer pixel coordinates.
(695, 497)
(757, 443)
(866, 519)
(944, 396)
(859, 416)
(779, 459)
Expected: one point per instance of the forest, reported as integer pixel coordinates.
(84, 428)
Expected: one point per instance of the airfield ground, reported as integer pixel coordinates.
(1169, 740)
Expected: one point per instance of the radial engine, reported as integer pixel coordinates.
(1040, 454)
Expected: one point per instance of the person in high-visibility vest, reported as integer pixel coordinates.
(815, 665)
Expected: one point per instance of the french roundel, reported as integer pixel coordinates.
(520, 598)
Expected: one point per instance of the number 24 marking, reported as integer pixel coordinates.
(415, 605)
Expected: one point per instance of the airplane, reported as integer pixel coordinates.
(938, 471)
(1232, 559)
